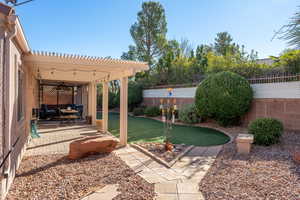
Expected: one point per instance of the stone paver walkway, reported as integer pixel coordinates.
(179, 182)
(106, 193)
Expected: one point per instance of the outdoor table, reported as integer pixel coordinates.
(66, 111)
(68, 114)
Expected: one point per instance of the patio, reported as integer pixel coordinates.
(55, 138)
(85, 72)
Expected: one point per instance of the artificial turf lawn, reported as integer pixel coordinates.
(150, 130)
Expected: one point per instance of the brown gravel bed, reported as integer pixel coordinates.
(159, 150)
(267, 173)
(56, 177)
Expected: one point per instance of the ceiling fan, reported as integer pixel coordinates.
(15, 2)
(63, 87)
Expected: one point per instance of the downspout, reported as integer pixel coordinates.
(12, 31)
(2, 44)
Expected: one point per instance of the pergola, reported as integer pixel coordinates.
(88, 70)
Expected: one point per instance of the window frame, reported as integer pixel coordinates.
(20, 89)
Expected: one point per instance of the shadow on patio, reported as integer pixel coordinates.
(56, 140)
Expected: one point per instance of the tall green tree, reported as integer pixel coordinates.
(131, 54)
(223, 43)
(201, 56)
(149, 32)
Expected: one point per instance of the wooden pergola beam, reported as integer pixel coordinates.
(123, 111)
(105, 107)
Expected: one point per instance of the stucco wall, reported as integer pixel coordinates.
(1, 90)
(16, 131)
(278, 100)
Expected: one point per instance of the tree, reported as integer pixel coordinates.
(131, 54)
(149, 32)
(201, 56)
(290, 60)
(186, 48)
(291, 31)
(223, 43)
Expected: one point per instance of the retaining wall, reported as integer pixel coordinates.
(278, 100)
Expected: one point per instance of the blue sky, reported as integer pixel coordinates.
(101, 27)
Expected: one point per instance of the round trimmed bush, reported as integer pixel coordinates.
(188, 114)
(224, 96)
(266, 131)
(138, 111)
(152, 111)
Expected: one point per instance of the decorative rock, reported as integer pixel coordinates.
(296, 157)
(169, 146)
(244, 142)
(90, 145)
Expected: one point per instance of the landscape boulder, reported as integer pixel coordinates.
(91, 145)
(296, 157)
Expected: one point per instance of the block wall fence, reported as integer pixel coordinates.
(277, 100)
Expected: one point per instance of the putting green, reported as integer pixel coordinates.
(150, 130)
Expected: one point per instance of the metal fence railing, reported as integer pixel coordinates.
(286, 77)
(275, 78)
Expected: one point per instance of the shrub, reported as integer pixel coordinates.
(290, 60)
(138, 111)
(266, 131)
(112, 103)
(224, 96)
(152, 111)
(135, 95)
(188, 114)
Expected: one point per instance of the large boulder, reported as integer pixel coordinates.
(296, 157)
(91, 145)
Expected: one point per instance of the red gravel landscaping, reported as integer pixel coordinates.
(55, 177)
(267, 173)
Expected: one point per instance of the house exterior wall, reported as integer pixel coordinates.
(278, 100)
(2, 35)
(16, 130)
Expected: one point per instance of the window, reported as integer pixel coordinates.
(20, 94)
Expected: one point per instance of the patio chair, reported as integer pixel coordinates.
(46, 113)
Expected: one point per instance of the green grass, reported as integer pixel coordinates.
(149, 130)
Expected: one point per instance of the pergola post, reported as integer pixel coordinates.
(105, 107)
(92, 101)
(123, 111)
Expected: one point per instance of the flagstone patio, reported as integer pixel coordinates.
(178, 182)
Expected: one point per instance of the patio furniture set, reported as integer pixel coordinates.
(61, 112)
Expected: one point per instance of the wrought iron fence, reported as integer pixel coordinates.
(276, 78)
